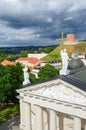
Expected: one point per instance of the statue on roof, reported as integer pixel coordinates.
(26, 76)
(65, 60)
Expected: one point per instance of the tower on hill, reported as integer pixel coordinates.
(70, 39)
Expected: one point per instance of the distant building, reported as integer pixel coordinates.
(70, 39)
(35, 72)
(6, 62)
(38, 56)
(23, 60)
(31, 62)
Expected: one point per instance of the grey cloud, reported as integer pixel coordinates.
(47, 18)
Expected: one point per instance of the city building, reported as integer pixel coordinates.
(7, 62)
(38, 56)
(31, 62)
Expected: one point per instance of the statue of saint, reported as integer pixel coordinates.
(26, 76)
(65, 59)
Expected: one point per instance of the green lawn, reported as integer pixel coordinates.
(7, 111)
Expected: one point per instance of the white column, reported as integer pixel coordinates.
(39, 118)
(52, 120)
(85, 126)
(21, 114)
(57, 121)
(27, 116)
(77, 123)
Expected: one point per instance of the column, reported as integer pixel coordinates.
(85, 127)
(57, 121)
(21, 114)
(39, 118)
(77, 123)
(52, 120)
(27, 116)
(83, 124)
(61, 121)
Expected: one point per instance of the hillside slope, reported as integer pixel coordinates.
(55, 54)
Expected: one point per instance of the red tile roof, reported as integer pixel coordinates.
(30, 60)
(6, 62)
(23, 58)
(33, 60)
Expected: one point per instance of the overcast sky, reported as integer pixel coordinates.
(40, 22)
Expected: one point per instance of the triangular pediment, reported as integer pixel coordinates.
(60, 90)
(58, 95)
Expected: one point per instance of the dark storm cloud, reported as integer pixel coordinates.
(41, 19)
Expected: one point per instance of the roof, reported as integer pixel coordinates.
(56, 95)
(6, 62)
(30, 60)
(75, 82)
(75, 64)
(33, 60)
(80, 75)
(77, 79)
(23, 58)
(57, 89)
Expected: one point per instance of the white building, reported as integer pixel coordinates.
(57, 104)
(31, 62)
(38, 56)
(35, 72)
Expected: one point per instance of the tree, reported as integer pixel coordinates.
(11, 78)
(47, 71)
(16, 80)
(24, 53)
(32, 78)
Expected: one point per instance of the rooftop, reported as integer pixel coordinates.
(6, 62)
(30, 60)
(61, 91)
(77, 79)
(75, 64)
(81, 75)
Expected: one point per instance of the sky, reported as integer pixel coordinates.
(40, 22)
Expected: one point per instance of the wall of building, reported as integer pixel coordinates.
(39, 56)
(70, 37)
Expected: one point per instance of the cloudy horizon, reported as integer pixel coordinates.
(40, 23)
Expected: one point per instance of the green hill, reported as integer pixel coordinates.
(81, 47)
(55, 54)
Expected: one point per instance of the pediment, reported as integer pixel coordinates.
(60, 90)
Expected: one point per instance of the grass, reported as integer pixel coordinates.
(55, 54)
(8, 111)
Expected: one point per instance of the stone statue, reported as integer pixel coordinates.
(65, 59)
(26, 76)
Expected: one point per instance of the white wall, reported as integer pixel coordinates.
(39, 56)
